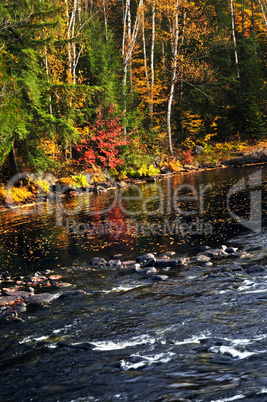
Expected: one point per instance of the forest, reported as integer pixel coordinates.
(120, 84)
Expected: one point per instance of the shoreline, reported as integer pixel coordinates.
(128, 182)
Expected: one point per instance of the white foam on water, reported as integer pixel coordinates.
(147, 360)
(111, 345)
(33, 339)
(191, 277)
(66, 327)
(256, 291)
(52, 346)
(247, 284)
(193, 339)
(121, 288)
(230, 350)
(233, 398)
(86, 399)
(246, 341)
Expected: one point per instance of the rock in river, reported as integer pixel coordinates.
(159, 278)
(255, 269)
(203, 258)
(40, 299)
(114, 263)
(173, 263)
(98, 261)
(145, 257)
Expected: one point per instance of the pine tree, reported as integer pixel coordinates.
(24, 38)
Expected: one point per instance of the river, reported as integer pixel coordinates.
(198, 336)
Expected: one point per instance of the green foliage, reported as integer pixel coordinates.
(100, 64)
(213, 99)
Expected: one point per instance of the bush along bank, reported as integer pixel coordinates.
(32, 187)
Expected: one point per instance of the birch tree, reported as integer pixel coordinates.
(128, 43)
(174, 38)
(234, 37)
(151, 106)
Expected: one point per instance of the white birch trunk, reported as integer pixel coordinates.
(151, 106)
(129, 27)
(174, 72)
(125, 64)
(263, 12)
(234, 37)
(48, 80)
(74, 44)
(182, 74)
(105, 19)
(127, 54)
(144, 50)
(68, 37)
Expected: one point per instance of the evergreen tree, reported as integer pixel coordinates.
(23, 39)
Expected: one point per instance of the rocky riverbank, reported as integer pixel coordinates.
(19, 294)
(32, 189)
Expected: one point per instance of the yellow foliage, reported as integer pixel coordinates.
(41, 184)
(51, 149)
(148, 170)
(174, 165)
(189, 143)
(2, 194)
(19, 194)
(192, 123)
(66, 181)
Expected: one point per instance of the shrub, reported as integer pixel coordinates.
(79, 181)
(187, 158)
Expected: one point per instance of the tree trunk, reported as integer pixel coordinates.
(151, 108)
(182, 74)
(13, 161)
(130, 63)
(263, 12)
(174, 71)
(234, 38)
(68, 37)
(144, 50)
(128, 50)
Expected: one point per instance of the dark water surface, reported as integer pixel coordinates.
(195, 337)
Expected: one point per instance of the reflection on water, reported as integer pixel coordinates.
(194, 337)
(177, 213)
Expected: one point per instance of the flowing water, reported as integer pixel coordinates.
(196, 336)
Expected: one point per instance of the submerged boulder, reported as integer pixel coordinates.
(172, 263)
(255, 269)
(40, 299)
(159, 278)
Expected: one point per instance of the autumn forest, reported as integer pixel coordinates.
(116, 83)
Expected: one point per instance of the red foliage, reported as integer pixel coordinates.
(102, 148)
(187, 157)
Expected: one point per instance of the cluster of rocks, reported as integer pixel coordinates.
(17, 293)
(156, 268)
(146, 263)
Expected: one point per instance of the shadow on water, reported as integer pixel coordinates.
(199, 336)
